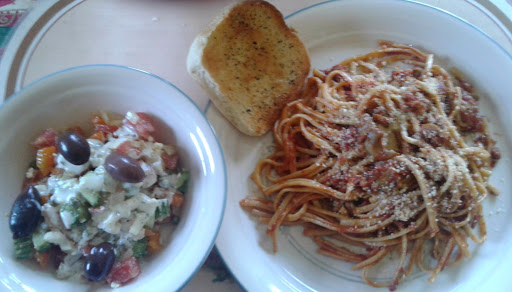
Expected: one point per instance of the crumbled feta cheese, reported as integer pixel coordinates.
(51, 215)
(147, 204)
(165, 181)
(132, 117)
(70, 267)
(69, 168)
(169, 181)
(56, 237)
(109, 183)
(98, 156)
(126, 132)
(91, 181)
(63, 189)
(30, 173)
(42, 189)
(159, 193)
(115, 210)
(169, 149)
(152, 154)
(137, 228)
(67, 218)
(150, 175)
(158, 166)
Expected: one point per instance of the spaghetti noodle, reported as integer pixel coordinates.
(383, 152)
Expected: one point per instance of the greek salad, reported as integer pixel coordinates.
(94, 205)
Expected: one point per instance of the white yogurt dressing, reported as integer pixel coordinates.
(124, 209)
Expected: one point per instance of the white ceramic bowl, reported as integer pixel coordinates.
(69, 98)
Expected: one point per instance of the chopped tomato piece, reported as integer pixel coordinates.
(101, 126)
(105, 129)
(86, 250)
(127, 148)
(43, 258)
(45, 159)
(177, 200)
(46, 139)
(97, 120)
(154, 244)
(77, 130)
(57, 256)
(98, 136)
(124, 271)
(170, 161)
(143, 127)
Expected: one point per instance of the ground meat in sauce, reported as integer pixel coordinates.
(382, 175)
(473, 122)
(414, 104)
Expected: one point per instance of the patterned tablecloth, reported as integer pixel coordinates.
(11, 12)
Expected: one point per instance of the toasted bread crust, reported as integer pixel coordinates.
(257, 63)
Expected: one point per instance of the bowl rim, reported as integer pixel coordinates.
(15, 97)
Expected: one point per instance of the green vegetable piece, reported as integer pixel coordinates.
(23, 248)
(91, 197)
(78, 211)
(38, 240)
(182, 182)
(163, 210)
(150, 223)
(140, 248)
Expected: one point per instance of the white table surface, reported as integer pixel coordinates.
(154, 35)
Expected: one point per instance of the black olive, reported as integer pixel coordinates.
(74, 148)
(25, 213)
(99, 262)
(34, 194)
(124, 168)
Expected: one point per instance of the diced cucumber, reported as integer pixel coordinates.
(139, 247)
(91, 181)
(23, 248)
(150, 223)
(91, 197)
(38, 240)
(74, 213)
(163, 210)
(182, 182)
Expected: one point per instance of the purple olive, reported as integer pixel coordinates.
(124, 168)
(99, 262)
(25, 213)
(74, 148)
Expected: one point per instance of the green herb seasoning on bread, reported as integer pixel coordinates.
(250, 63)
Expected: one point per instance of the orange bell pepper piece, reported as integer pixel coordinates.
(45, 159)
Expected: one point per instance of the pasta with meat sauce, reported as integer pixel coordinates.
(383, 152)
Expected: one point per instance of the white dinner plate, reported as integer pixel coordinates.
(333, 31)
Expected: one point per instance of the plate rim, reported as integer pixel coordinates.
(19, 50)
(25, 39)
